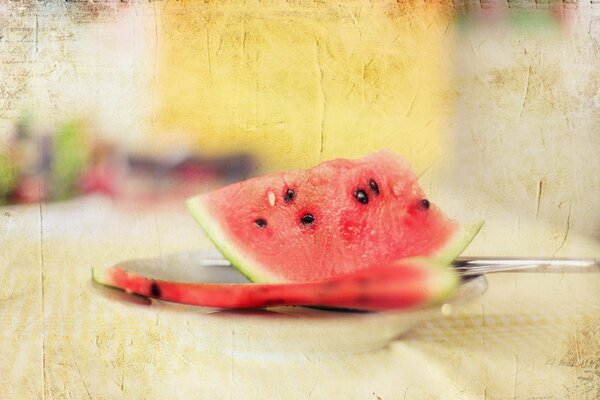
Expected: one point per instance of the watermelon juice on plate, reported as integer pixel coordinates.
(346, 233)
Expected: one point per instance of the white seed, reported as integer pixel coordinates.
(271, 196)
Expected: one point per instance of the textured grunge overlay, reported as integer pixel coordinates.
(584, 353)
(514, 122)
(64, 60)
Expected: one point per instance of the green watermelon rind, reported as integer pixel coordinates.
(100, 275)
(459, 242)
(249, 268)
(446, 280)
(255, 273)
(442, 280)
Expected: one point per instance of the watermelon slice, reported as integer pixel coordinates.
(399, 285)
(337, 218)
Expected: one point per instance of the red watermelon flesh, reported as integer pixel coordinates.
(338, 217)
(400, 285)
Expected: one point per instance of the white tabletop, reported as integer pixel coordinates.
(531, 336)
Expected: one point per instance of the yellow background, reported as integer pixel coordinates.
(301, 82)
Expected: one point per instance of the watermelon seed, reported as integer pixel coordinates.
(155, 289)
(307, 219)
(425, 203)
(374, 187)
(290, 195)
(361, 196)
(261, 222)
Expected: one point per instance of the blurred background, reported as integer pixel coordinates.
(151, 101)
(113, 111)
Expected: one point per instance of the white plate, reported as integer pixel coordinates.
(290, 330)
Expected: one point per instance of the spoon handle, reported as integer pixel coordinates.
(468, 266)
(471, 266)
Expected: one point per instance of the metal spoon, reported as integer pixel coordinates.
(473, 266)
(470, 266)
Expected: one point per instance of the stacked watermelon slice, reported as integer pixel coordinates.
(346, 233)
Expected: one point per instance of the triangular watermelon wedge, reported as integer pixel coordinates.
(337, 218)
(400, 285)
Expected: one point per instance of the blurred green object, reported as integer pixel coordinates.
(9, 178)
(539, 21)
(70, 155)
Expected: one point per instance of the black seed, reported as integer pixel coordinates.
(290, 195)
(277, 301)
(261, 222)
(374, 187)
(155, 289)
(361, 196)
(425, 203)
(307, 219)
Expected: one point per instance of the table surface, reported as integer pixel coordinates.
(531, 336)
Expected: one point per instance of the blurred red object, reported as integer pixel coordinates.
(31, 189)
(68, 163)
